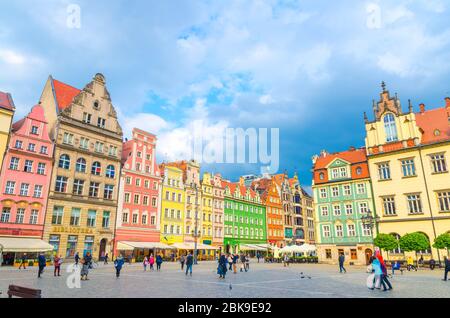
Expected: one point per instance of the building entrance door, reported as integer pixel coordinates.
(101, 252)
(369, 254)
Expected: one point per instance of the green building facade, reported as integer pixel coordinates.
(244, 217)
(342, 195)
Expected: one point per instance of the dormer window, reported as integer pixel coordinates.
(437, 132)
(321, 176)
(34, 130)
(390, 128)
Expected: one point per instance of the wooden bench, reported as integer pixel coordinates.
(23, 292)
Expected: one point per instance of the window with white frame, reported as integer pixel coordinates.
(37, 191)
(343, 172)
(335, 191)
(10, 187)
(361, 188)
(348, 209)
(444, 201)
(414, 203)
(24, 189)
(335, 173)
(337, 210)
(438, 163)
(347, 190)
(408, 167)
(34, 216)
(389, 206)
(339, 230)
(363, 208)
(323, 193)
(384, 172)
(20, 215)
(14, 163)
(351, 230)
(366, 230)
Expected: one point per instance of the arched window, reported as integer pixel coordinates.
(64, 162)
(397, 250)
(96, 168)
(80, 165)
(110, 171)
(390, 128)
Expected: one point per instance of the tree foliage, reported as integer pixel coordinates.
(442, 241)
(386, 242)
(414, 242)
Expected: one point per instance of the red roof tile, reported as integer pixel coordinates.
(434, 125)
(6, 101)
(64, 94)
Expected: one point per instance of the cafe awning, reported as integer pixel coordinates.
(22, 244)
(191, 246)
(251, 247)
(129, 246)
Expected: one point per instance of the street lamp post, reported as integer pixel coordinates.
(370, 221)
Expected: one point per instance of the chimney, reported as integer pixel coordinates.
(422, 107)
(352, 148)
(241, 181)
(323, 153)
(447, 102)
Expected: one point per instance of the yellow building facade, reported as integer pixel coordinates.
(172, 205)
(408, 155)
(207, 209)
(7, 109)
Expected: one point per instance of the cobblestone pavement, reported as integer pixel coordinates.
(263, 280)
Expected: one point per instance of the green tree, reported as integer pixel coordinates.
(386, 242)
(414, 242)
(442, 242)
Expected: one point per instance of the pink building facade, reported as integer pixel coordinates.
(138, 215)
(25, 177)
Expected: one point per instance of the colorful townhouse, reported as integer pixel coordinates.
(83, 196)
(342, 195)
(270, 196)
(138, 215)
(308, 209)
(207, 209)
(172, 205)
(245, 217)
(24, 182)
(218, 212)
(193, 192)
(285, 190)
(7, 110)
(299, 213)
(408, 155)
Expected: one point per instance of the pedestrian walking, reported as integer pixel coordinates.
(159, 261)
(106, 259)
(145, 263)
(42, 262)
(222, 268)
(384, 277)
(420, 262)
(242, 260)
(258, 256)
(189, 263)
(341, 263)
(235, 260)
(23, 261)
(118, 263)
(247, 263)
(152, 262)
(86, 261)
(378, 272)
(182, 261)
(57, 261)
(77, 258)
(446, 268)
(230, 262)
(286, 260)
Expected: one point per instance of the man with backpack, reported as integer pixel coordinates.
(189, 263)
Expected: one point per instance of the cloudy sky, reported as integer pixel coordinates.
(309, 68)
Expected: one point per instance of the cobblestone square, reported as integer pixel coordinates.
(263, 280)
